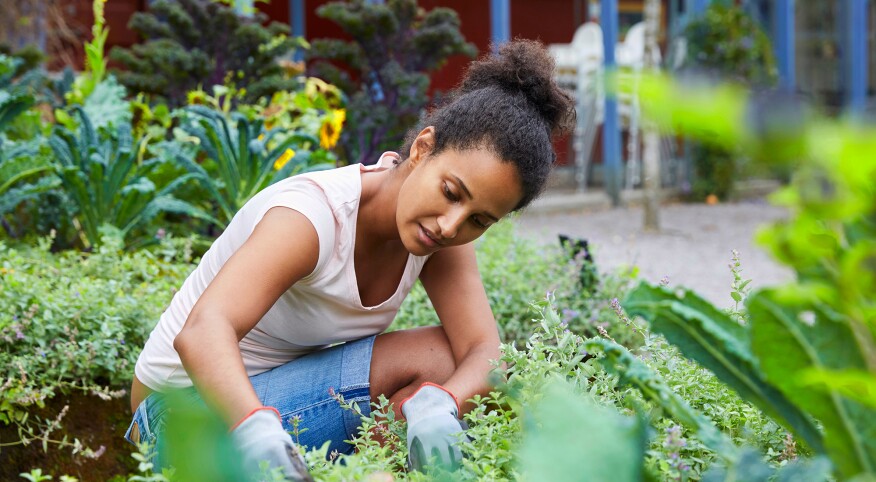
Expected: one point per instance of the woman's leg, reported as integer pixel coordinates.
(401, 361)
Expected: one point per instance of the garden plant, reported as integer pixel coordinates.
(385, 68)
(200, 43)
(78, 156)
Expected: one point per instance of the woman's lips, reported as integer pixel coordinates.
(426, 239)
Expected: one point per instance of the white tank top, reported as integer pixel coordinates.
(321, 309)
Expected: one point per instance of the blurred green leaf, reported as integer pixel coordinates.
(791, 335)
(569, 438)
(197, 443)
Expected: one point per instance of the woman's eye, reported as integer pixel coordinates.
(449, 194)
(480, 222)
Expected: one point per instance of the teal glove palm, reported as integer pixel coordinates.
(260, 436)
(433, 427)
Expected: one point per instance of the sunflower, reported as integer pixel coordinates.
(283, 159)
(330, 130)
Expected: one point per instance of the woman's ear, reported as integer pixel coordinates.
(422, 145)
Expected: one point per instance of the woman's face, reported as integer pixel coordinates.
(452, 198)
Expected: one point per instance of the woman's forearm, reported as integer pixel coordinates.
(211, 356)
(471, 375)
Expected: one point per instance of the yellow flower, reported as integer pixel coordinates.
(261, 137)
(330, 130)
(196, 97)
(283, 159)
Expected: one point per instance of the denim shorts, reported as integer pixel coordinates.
(304, 389)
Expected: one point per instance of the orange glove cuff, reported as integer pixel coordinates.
(252, 412)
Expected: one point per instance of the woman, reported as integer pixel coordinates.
(326, 258)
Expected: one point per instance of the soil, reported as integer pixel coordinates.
(95, 422)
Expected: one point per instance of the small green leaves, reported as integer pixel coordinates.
(710, 337)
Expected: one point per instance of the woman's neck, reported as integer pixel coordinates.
(376, 225)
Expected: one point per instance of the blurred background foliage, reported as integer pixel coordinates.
(384, 70)
(726, 44)
(190, 44)
(86, 156)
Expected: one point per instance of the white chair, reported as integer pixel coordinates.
(579, 68)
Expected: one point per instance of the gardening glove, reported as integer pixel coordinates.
(260, 437)
(433, 427)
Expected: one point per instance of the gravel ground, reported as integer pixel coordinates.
(693, 247)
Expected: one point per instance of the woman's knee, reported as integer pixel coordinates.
(408, 358)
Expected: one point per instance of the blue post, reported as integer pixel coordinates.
(611, 154)
(697, 7)
(298, 24)
(296, 17)
(855, 67)
(500, 22)
(783, 42)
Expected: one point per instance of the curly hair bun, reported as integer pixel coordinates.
(525, 67)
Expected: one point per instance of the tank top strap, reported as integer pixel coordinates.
(386, 161)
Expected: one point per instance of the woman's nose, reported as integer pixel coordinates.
(450, 223)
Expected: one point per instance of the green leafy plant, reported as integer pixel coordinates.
(23, 166)
(199, 43)
(512, 280)
(613, 449)
(13, 101)
(394, 46)
(106, 178)
(24, 158)
(726, 41)
(75, 322)
(95, 61)
(105, 106)
(315, 108)
(516, 429)
(807, 353)
(720, 344)
(243, 158)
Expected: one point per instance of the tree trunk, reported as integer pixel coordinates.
(651, 138)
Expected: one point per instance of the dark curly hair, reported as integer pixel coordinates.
(509, 104)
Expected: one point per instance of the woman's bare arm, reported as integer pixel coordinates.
(454, 286)
(282, 249)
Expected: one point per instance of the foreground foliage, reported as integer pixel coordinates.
(805, 353)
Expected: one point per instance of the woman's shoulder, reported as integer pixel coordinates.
(343, 185)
